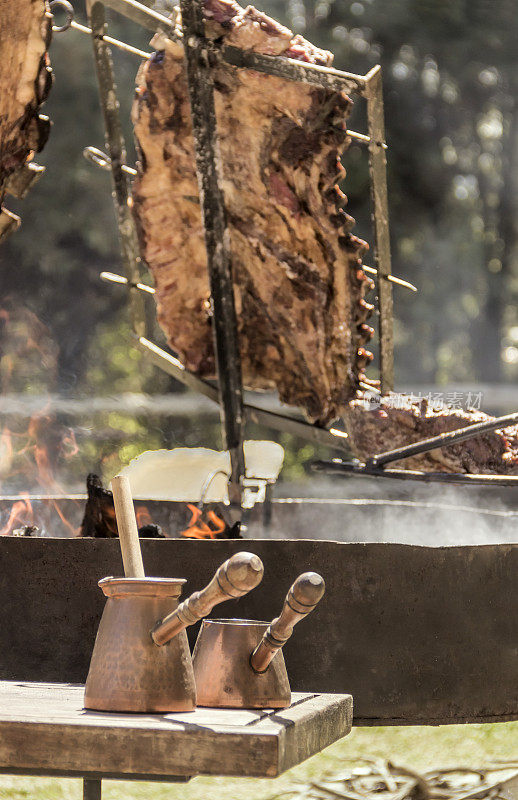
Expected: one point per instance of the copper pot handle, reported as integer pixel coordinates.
(301, 599)
(233, 579)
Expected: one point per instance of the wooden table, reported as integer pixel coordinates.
(44, 730)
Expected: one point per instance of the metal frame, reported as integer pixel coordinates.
(201, 55)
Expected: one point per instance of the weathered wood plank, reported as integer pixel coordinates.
(44, 726)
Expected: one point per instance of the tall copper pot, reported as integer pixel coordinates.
(128, 672)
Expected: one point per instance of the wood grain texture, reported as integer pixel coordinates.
(44, 726)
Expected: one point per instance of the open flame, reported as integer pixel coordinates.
(203, 526)
(21, 515)
(30, 456)
(143, 516)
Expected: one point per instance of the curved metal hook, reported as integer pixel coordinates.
(68, 8)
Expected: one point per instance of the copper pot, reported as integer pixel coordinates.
(239, 663)
(224, 678)
(128, 672)
(141, 659)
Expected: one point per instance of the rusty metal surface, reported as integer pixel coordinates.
(380, 221)
(200, 83)
(415, 634)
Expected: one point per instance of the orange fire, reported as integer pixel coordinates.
(21, 514)
(198, 528)
(31, 456)
(143, 516)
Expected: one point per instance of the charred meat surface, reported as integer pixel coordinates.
(298, 279)
(25, 81)
(398, 421)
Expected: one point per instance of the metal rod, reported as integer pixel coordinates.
(117, 153)
(71, 23)
(363, 470)
(379, 206)
(95, 156)
(92, 789)
(391, 278)
(217, 239)
(261, 416)
(127, 48)
(142, 15)
(443, 440)
(112, 277)
(293, 70)
(362, 137)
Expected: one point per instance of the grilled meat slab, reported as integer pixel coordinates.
(298, 280)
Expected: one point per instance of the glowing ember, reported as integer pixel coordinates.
(143, 516)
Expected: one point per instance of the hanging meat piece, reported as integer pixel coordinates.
(25, 80)
(299, 285)
(396, 420)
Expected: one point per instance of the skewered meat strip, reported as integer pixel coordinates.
(397, 420)
(25, 80)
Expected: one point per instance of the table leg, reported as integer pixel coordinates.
(92, 789)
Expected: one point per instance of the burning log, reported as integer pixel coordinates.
(397, 420)
(207, 522)
(99, 517)
(25, 81)
(297, 270)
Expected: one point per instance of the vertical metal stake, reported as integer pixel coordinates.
(92, 789)
(217, 238)
(379, 205)
(117, 151)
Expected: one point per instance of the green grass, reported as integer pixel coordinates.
(420, 748)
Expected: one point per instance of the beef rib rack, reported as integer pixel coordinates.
(297, 271)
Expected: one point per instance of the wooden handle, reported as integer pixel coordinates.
(301, 599)
(237, 576)
(127, 527)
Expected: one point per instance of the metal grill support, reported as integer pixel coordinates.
(217, 238)
(380, 221)
(117, 152)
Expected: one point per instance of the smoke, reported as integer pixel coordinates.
(372, 511)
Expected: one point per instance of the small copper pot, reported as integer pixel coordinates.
(238, 663)
(224, 677)
(128, 672)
